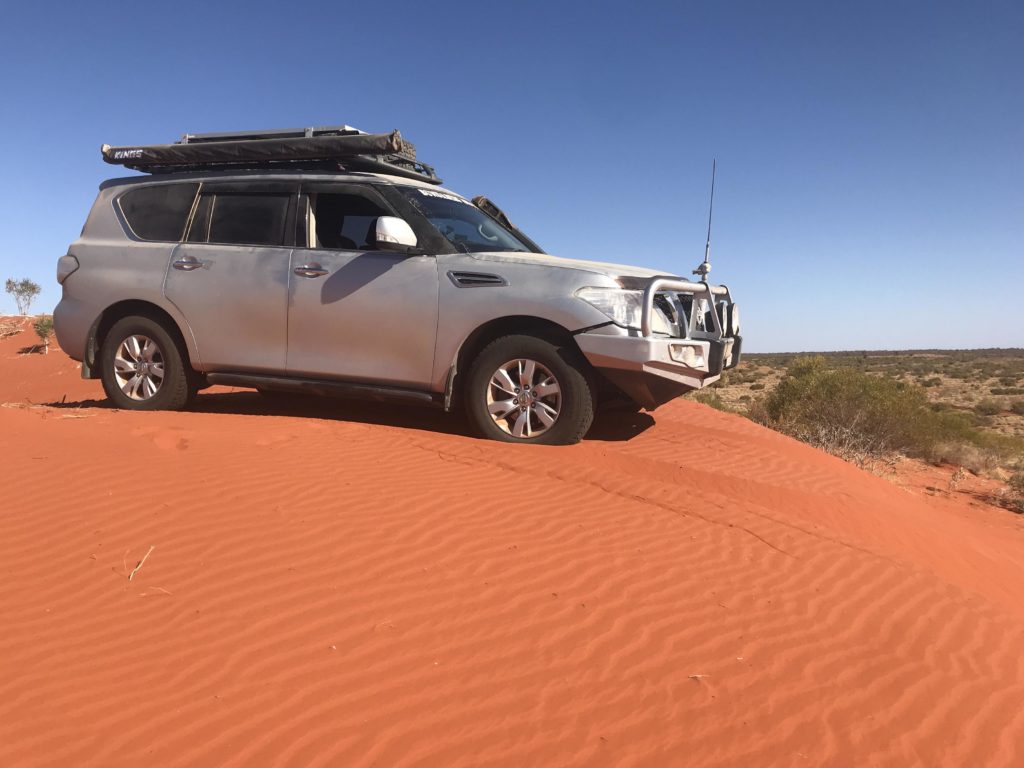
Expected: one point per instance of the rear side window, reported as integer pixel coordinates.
(158, 212)
(247, 219)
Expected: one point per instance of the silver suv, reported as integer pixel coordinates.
(331, 261)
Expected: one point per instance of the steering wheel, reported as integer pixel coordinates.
(484, 235)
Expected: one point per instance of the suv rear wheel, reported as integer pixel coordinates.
(142, 368)
(523, 389)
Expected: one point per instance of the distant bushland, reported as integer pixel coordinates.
(988, 408)
(863, 416)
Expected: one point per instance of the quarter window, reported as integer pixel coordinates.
(158, 212)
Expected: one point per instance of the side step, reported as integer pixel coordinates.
(326, 388)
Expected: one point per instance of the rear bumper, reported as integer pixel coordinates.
(652, 371)
(72, 321)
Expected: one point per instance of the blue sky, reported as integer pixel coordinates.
(871, 154)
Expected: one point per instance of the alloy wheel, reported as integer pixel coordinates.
(139, 367)
(524, 398)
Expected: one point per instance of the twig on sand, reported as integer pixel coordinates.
(9, 328)
(139, 566)
(26, 403)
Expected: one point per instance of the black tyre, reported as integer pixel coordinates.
(523, 389)
(143, 368)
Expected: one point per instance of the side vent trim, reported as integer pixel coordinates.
(476, 279)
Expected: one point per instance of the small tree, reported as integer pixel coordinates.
(44, 329)
(23, 291)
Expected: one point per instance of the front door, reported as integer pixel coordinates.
(230, 277)
(355, 312)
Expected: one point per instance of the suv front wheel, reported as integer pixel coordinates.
(523, 389)
(142, 368)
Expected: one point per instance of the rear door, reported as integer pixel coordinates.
(230, 277)
(356, 312)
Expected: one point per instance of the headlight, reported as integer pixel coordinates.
(622, 306)
(734, 321)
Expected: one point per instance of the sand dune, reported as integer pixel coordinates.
(353, 585)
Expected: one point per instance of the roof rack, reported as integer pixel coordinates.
(339, 147)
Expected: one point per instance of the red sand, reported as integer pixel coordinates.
(353, 585)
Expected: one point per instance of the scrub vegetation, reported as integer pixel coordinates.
(945, 407)
(1016, 484)
(43, 326)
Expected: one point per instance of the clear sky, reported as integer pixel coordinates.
(871, 154)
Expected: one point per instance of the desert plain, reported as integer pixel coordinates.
(330, 583)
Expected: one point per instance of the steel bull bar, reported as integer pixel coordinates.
(723, 352)
(653, 369)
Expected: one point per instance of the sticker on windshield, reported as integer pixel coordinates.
(442, 195)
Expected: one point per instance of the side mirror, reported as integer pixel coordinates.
(393, 232)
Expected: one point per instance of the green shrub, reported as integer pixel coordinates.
(757, 385)
(1018, 407)
(934, 381)
(860, 416)
(1016, 483)
(711, 398)
(988, 408)
(43, 326)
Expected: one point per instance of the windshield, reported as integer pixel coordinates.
(467, 227)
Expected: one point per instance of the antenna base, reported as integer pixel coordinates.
(703, 269)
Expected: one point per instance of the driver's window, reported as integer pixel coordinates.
(339, 221)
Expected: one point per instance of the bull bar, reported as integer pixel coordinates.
(659, 284)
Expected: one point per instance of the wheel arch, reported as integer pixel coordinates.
(126, 308)
(493, 329)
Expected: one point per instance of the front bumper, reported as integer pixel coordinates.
(646, 370)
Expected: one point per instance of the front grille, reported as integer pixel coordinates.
(661, 302)
(675, 307)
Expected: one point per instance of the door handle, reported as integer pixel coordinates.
(187, 264)
(310, 270)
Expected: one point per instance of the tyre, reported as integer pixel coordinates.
(144, 368)
(524, 389)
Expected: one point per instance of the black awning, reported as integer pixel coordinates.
(252, 152)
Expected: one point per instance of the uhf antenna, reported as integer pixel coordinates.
(705, 266)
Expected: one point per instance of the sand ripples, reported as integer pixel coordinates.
(336, 593)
